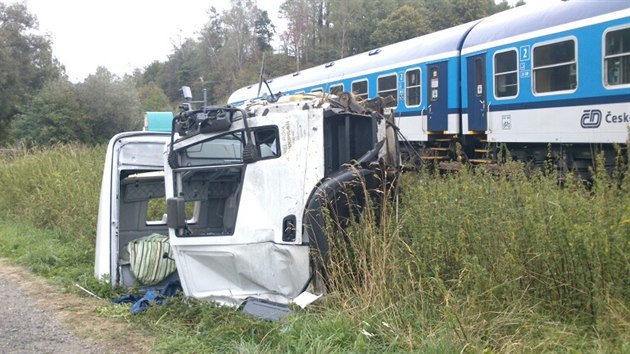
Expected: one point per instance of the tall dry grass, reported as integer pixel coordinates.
(469, 261)
(53, 188)
(507, 261)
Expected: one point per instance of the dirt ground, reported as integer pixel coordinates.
(36, 318)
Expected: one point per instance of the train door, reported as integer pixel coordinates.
(477, 99)
(437, 108)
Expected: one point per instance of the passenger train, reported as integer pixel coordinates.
(544, 81)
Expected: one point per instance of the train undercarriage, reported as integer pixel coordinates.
(452, 152)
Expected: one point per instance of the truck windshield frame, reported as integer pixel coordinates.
(227, 149)
(211, 175)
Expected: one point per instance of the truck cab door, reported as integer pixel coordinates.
(132, 176)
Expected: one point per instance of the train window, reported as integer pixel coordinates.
(388, 86)
(413, 95)
(506, 74)
(336, 89)
(360, 88)
(317, 90)
(617, 57)
(555, 68)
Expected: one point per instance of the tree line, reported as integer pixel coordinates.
(40, 106)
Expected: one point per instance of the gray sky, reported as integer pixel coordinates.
(123, 35)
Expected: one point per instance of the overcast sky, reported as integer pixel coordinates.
(123, 35)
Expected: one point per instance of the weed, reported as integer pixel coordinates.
(507, 260)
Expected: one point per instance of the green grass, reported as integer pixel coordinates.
(470, 261)
(55, 188)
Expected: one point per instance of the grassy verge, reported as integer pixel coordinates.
(466, 262)
(55, 188)
(503, 262)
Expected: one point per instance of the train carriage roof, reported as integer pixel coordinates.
(434, 45)
(530, 18)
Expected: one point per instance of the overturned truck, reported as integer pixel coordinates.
(233, 202)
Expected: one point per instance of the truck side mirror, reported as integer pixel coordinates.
(187, 93)
(176, 213)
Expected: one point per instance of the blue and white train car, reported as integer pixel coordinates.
(401, 70)
(556, 74)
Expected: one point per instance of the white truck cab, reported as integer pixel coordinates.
(247, 190)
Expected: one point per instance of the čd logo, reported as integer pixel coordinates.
(592, 118)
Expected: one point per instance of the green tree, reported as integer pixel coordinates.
(295, 37)
(346, 20)
(404, 23)
(211, 42)
(111, 104)
(502, 6)
(264, 30)
(210, 58)
(240, 40)
(53, 116)
(153, 99)
(469, 10)
(26, 61)
(181, 68)
(152, 72)
(240, 54)
(439, 14)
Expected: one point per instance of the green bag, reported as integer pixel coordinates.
(147, 261)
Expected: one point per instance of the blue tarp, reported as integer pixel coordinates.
(157, 295)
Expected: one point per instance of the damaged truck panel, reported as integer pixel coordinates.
(133, 178)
